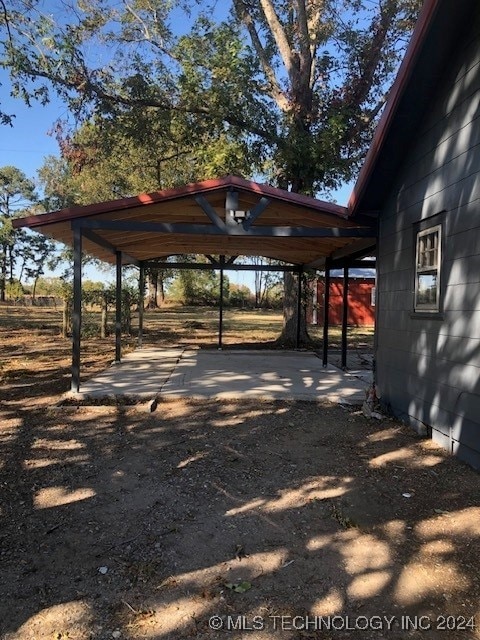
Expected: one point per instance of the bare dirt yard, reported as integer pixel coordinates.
(211, 520)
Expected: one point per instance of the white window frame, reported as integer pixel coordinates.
(430, 269)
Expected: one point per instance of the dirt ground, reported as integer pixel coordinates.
(223, 520)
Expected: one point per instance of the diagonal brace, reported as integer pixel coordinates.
(257, 210)
(101, 242)
(211, 213)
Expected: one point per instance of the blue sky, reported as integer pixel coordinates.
(26, 143)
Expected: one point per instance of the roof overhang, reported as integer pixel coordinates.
(229, 216)
(439, 29)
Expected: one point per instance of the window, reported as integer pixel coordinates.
(373, 296)
(427, 269)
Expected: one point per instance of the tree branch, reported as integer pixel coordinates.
(359, 87)
(7, 22)
(304, 40)
(274, 88)
(280, 38)
(84, 84)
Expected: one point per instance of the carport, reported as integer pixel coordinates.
(222, 219)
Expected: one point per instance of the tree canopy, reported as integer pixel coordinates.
(167, 91)
(296, 84)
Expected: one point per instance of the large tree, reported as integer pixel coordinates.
(16, 193)
(297, 83)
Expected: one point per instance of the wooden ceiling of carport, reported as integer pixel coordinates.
(194, 231)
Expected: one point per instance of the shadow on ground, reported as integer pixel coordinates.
(118, 523)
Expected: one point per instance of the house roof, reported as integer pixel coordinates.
(439, 30)
(194, 219)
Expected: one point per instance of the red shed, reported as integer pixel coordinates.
(361, 302)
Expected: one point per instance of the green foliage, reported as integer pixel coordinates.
(94, 292)
(36, 252)
(100, 295)
(14, 290)
(198, 288)
(51, 286)
(288, 89)
(16, 191)
(240, 296)
(56, 179)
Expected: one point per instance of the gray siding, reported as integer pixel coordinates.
(428, 367)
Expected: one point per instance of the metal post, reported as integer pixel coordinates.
(141, 303)
(326, 309)
(299, 308)
(220, 309)
(118, 307)
(344, 317)
(77, 308)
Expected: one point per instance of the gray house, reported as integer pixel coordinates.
(421, 179)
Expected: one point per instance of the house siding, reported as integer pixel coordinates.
(428, 366)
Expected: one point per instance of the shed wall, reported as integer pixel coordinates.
(361, 312)
(428, 365)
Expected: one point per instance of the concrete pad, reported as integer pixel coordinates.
(140, 374)
(195, 373)
(266, 374)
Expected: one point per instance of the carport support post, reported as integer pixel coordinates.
(141, 303)
(326, 305)
(118, 307)
(77, 308)
(344, 316)
(220, 305)
(299, 308)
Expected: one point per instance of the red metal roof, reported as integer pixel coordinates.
(183, 223)
(193, 189)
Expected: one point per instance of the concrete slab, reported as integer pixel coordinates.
(195, 373)
(140, 374)
(266, 374)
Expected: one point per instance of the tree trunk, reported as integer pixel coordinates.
(67, 318)
(288, 337)
(159, 290)
(258, 288)
(127, 319)
(152, 284)
(34, 290)
(3, 273)
(11, 261)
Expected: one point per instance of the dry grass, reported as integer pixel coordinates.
(250, 327)
(32, 349)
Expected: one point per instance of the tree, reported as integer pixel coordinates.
(140, 151)
(300, 95)
(304, 93)
(37, 252)
(16, 192)
(264, 280)
(193, 287)
(137, 151)
(240, 296)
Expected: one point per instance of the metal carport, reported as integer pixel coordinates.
(225, 217)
